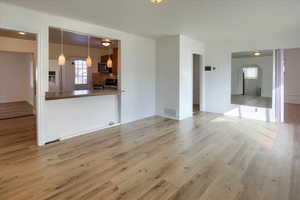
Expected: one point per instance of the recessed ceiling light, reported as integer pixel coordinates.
(257, 53)
(106, 42)
(22, 33)
(156, 1)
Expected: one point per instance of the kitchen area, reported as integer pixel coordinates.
(81, 65)
(83, 80)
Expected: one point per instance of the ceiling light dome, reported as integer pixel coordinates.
(257, 53)
(106, 42)
(156, 1)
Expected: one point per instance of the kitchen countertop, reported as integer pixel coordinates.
(80, 93)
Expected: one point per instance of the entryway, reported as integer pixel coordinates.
(291, 85)
(197, 60)
(18, 55)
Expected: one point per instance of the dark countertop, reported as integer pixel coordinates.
(80, 93)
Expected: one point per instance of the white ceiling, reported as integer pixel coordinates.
(77, 39)
(15, 34)
(200, 19)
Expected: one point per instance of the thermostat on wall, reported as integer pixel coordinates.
(209, 68)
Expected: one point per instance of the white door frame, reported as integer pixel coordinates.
(201, 74)
(279, 85)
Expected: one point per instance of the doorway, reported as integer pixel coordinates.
(18, 55)
(196, 82)
(291, 85)
(252, 78)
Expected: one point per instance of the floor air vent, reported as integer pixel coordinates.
(51, 142)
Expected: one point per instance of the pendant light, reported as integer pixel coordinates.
(61, 58)
(88, 60)
(109, 62)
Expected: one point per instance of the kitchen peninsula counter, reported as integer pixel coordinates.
(80, 93)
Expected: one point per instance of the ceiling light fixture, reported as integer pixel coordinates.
(88, 59)
(156, 1)
(257, 53)
(22, 33)
(106, 42)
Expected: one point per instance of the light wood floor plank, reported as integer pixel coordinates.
(207, 157)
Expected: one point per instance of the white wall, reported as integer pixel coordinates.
(29, 84)
(266, 66)
(16, 77)
(188, 47)
(292, 74)
(167, 82)
(175, 75)
(17, 45)
(218, 84)
(81, 115)
(138, 71)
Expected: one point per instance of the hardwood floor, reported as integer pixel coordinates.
(292, 113)
(265, 102)
(15, 109)
(207, 157)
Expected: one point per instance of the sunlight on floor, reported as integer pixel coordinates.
(262, 132)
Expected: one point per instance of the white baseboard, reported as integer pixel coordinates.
(87, 131)
(186, 116)
(169, 117)
(94, 129)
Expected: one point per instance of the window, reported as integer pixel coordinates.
(250, 72)
(80, 72)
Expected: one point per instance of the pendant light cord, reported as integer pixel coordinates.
(62, 38)
(88, 46)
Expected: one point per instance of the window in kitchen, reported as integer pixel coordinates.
(80, 72)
